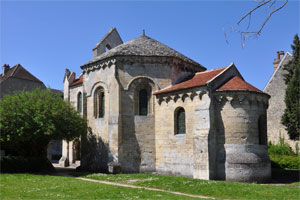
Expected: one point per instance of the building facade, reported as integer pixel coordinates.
(152, 109)
(276, 89)
(17, 78)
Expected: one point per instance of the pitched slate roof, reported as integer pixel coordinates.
(200, 79)
(236, 83)
(143, 46)
(18, 71)
(77, 81)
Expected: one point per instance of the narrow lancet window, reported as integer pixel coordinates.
(79, 102)
(143, 102)
(180, 121)
(99, 103)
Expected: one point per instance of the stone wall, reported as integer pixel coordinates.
(16, 84)
(138, 138)
(241, 136)
(102, 142)
(174, 152)
(276, 89)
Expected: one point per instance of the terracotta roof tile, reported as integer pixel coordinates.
(200, 79)
(18, 71)
(78, 81)
(236, 83)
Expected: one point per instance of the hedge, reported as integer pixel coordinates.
(18, 164)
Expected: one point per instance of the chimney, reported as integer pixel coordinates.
(281, 54)
(6, 67)
(277, 59)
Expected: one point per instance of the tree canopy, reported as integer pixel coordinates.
(29, 120)
(291, 117)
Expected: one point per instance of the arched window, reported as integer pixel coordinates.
(79, 102)
(179, 121)
(99, 103)
(262, 130)
(143, 102)
(107, 47)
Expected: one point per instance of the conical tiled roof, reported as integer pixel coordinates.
(236, 83)
(143, 46)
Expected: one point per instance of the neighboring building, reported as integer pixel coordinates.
(152, 109)
(18, 78)
(276, 89)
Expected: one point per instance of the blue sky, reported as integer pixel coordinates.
(48, 36)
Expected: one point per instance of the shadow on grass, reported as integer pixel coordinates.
(285, 176)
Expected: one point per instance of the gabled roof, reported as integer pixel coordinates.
(143, 46)
(77, 81)
(236, 83)
(18, 71)
(200, 79)
(287, 55)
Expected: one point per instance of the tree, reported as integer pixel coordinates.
(293, 63)
(291, 116)
(29, 120)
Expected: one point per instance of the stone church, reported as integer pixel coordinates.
(276, 88)
(152, 109)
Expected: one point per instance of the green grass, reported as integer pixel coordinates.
(217, 189)
(28, 186)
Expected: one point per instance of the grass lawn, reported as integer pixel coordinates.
(217, 189)
(28, 186)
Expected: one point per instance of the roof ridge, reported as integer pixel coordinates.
(219, 74)
(14, 71)
(211, 70)
(287, 53)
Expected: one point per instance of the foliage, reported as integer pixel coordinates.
(291, 117)
(17, 164)
(57, 187)
(280, 149)
(286, 162)
(29, 120)
(290, 67)
(217, 189)
(282, 155)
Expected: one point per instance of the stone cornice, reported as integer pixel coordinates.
(97, 65)
(241, 98)
(180, 96)
(174, 62)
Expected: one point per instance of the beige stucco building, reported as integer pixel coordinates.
(152, 109)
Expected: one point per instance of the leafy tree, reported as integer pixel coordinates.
(29, 120)
(291, 117)
(293, 63)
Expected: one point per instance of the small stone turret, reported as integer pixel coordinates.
(109, 41)
(244, 133)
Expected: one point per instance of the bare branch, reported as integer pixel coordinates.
(259, 31)
(247, 34)
(272, 4)
(251, 11)
(225, 35)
